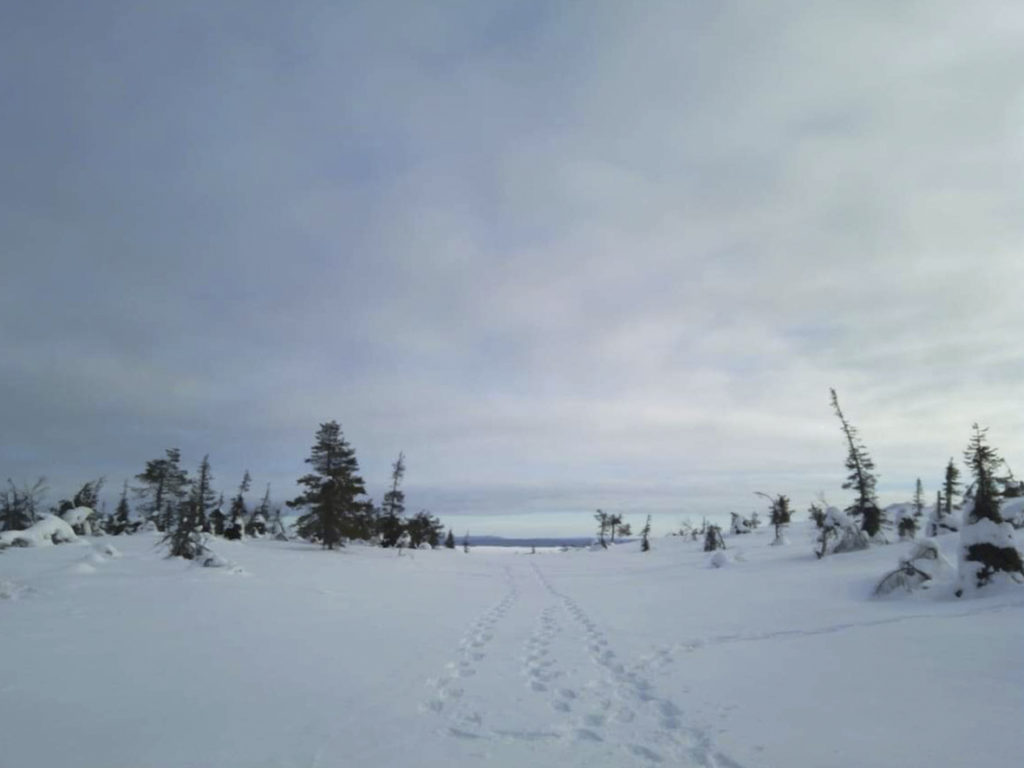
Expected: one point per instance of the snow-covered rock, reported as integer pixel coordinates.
(49, 530)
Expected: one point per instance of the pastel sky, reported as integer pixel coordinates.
(564, 255)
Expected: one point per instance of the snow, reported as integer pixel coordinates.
(77, 516)
(439, 658)
(49, 530)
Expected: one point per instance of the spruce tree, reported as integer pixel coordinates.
(987, 544)
(120, 522)
(918, 499)
(645, 532)
(465, 543)
(202, 495)
(163, 487)
(602, 526)
(424, 528)
(184, 538)
(238, 514)
(950, 490)
(391, 523)
(19, 507)
(333, 491)
(261, 516)
(449, 541)
(861, 478)
(614, 521)
(713, 538)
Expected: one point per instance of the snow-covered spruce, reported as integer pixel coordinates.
(924, 565)
(838, 533)
(988, 551)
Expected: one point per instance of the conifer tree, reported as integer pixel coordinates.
(185, 537)
(602, 526)
(449, 541)
(19, 507)
(713, 538)
(120, 522)
(645, 532)
(950, 490)
(465, 543)
(424, 528)
(936, 516)
(391, 524)
(163, 487)
(987, 545)
(918, 499)
(861, 478)
(614, 521)
(261, 517)
(238, 514)
(333, 491)
(202, 495)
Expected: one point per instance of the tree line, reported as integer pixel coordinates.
(333, 505)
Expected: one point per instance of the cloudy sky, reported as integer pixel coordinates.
(565, 255)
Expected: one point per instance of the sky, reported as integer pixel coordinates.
(563, 255)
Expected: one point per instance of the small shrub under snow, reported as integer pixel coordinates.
(719, 559)
(49, 530)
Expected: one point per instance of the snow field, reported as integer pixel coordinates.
(300, 657)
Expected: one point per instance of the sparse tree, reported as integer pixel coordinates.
(950, 490)
(918, 499)
(238, 514)
(713, 538)
(164, 485)
(861, 478)
(391, 523)
(614, 521)
(260, 519)
(645, 533)
(602, 526)
(987, 546)
(19, 507)
(333, 492)
(424, 528)
(120, 521)
(202, 495)
(780, 515)
(625, 531)
(465, 543)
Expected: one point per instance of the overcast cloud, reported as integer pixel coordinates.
(563, 254)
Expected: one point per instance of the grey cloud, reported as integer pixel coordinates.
(540, 248)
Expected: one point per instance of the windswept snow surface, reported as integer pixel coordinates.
(305, 658)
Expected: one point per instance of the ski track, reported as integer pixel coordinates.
(594, 696)
(667, 654)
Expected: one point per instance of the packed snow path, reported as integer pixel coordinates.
(537, 644)
(294, 657)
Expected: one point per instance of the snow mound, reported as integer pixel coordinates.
(210, 559)
(719, 559)
(1012, 511)
(77, 516)
(83, 568)
(9, 590)
(49, 530)
(111, 551)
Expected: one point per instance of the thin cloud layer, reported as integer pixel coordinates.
(556, 254)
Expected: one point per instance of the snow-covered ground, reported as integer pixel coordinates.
(300, 657)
